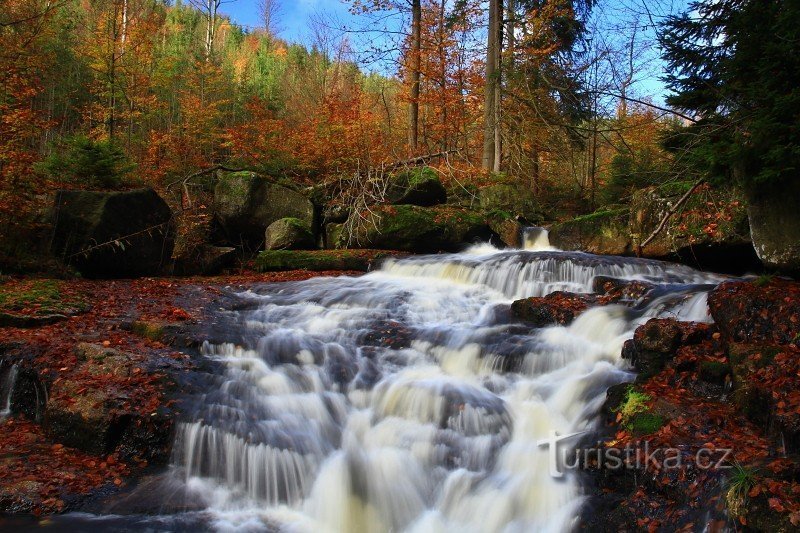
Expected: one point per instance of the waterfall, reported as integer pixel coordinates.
(409, 399)
(536, 239)
(7, 383)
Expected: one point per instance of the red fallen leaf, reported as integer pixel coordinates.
(775, 503)
(755, 491)
(106, 343)
(117, 482)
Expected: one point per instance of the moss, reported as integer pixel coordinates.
(39, 298)
(600, 215)
(149, 330)
(645, 424)
(418, 176)
(763, 280)
(317, 260)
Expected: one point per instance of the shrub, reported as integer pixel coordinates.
(83, 161)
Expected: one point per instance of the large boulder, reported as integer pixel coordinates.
(289, 234)
(424, 230)
(507, 199)
(91, 410)
(113, 234)
(763, 311)
(710, 230)
(774, 211)
(604, 232)
(245, 204)
(418, 186)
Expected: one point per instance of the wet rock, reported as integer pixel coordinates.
(421, 230)
(113, 234)
(245, 204)
(205, 260)
(388, 334)
(763, 311)
(657, 341)
(20, 497)
(289, 234)
(418, 186)
(774, 213)
(621, 289)
(509, 231)
(604, 233)
(93, 415)
(557, 308)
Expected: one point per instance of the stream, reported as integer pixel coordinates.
(407, 399)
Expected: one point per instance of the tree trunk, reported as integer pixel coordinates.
(491, 111)
(416, 50)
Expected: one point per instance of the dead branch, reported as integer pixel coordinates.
(669, 214)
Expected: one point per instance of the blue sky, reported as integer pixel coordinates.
(294, 15)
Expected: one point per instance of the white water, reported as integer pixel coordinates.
(316, 426)
(7, 391)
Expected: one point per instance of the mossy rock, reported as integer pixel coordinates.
(289, 234)
(318, 260)
(646, 424)
(774, 214)
(689, 232)
(422, 230)
(333, 236)
(604, 232)
(245, 204)
(113, 234)
(38, 302)
(417, 186)
(511, 198)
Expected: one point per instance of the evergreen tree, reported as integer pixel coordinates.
(736, 65)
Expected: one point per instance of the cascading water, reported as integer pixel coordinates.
(7, 382)
(410, 399)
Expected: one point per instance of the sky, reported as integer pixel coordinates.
(294, 16)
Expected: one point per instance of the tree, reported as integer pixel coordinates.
(210, 10)
(735, 64)
(270, 13)
(492, 104)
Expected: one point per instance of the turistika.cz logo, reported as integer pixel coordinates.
(639, 455)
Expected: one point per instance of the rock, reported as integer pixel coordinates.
(763, 311)
(333, 236)
(621, 289)
(462, 195)
(245, 204)
(205, 260)
(712, 237)
(657, 341)
(509, 200)
(603, 233)
(418, 186)
(335, 214)
(556, 308)
(113, 234)
(774, 213)
(422, 230)
(93, 415)
(509, 231)
(319, 260)
(289, 234)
